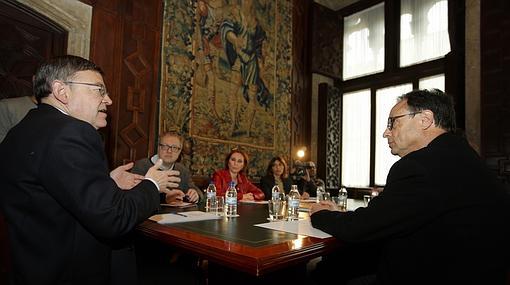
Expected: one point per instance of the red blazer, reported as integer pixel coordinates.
(222, 178)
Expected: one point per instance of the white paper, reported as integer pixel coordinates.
(182, 217)
(300, 227)
(253, 202)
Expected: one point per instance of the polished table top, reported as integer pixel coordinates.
(237, 243)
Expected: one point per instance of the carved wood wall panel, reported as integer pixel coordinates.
(301, 75)
(495, 86)
(126, 43)
(27, 39)
(326, 42)
(334, 135)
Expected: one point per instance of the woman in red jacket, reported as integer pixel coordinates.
(236, 163)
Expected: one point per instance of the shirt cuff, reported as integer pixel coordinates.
(153, 181)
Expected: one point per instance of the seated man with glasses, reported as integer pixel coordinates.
(169, 150)
(442, 217)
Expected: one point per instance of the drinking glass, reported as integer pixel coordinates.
(277, 209)
(220, 202)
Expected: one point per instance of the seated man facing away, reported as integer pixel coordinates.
(442, 217)
(169, 150)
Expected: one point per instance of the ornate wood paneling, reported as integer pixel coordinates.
(27, 39)
(126, 43)
(326, 42)
(301, 75)
(495, 86)
(333, 138)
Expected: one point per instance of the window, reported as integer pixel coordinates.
(371, 86)
(356, 138)
(364, 42)
(423, 31)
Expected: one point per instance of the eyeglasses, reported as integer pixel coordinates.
(165, 147)
(391, 120)
(100, 88)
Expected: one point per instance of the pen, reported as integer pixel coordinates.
(179, 214)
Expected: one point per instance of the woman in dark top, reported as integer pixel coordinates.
(277, 173)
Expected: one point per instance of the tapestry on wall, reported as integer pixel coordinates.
(226, 79)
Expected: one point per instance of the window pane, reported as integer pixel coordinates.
(385, 100)
(423, 30)
(356, 139)
(364, 42)
(436, 81)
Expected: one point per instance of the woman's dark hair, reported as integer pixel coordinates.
(269, 170)
(436, 101)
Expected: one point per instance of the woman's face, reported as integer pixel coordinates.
(278, 168)
(236, 162)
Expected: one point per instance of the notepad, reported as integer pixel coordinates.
(183, 217)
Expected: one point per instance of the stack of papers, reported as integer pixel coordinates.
(183, 217)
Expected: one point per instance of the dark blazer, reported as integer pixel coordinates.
(64, 212)
(267, 182)
(142, 166)
(442, 218)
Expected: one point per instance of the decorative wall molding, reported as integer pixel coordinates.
(333, 142)
(72, 15)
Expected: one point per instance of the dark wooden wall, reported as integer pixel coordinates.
(28, 38)
(126, 43)
(301, 76)
(495, 86)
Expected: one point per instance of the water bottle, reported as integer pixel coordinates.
(342, 197)
(231, 200)
(293, 203)
(276, 193)
(210, 202)
(320, 193)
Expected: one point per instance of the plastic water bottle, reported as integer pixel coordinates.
(210, 202)
(276, 193)
(293, 203)
(320, 193)
(342, 197)
(231, 200)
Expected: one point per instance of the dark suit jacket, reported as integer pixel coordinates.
(442, 218)
(63, 210)
(267, 182)
(142, 166)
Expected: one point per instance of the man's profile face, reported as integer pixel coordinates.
(169, 149)
(405, 135)
(85, 99)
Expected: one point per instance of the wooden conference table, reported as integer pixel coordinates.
(236, 243)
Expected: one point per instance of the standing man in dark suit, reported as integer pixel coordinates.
(442, 218)
(63, 210)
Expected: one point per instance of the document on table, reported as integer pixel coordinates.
(300, 227)
(253, 202)
(183, 217)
